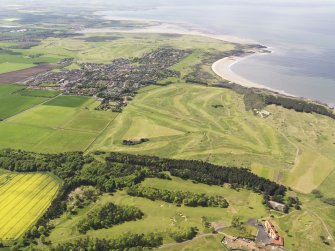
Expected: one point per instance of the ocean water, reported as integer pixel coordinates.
(301, 34)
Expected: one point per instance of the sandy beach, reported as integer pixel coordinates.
(223, 69)
(169, 28)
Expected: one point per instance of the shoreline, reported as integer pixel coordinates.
(222, 68)
(169, 28)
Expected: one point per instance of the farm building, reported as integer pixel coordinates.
(273, 234)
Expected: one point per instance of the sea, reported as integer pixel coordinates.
(301, 34)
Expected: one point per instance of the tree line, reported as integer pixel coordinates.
(202, 172)
(127, 241)
(107, 216)
(178, 197)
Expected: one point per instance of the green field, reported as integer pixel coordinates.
(293, 148)
(38, 93)
(18, 60)
(163, 217)
(184, 124)
(127, 45)
(8, 67)
(24, 198)
(12, 102)
(68, 101)
(63, 124)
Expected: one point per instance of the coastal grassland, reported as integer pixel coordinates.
(12, 102)
(313, 137)
(71, 124)
(24, 198)
(126, 45)
(163, 217)
(211, 124)
(302, 229)
(187, 124)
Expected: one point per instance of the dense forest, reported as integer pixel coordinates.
(202, 172)
(178, 197)
(107, 216)
(127, 241)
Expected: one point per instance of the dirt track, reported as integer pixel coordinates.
(20, 75)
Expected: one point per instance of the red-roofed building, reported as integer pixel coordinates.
(276, 239)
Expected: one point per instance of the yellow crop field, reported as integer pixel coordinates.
(24, 198)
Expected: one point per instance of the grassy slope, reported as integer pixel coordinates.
(185, 125)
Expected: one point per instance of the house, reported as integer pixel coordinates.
(276, 239)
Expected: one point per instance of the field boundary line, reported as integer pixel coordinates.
(101, 133)
(30, 108)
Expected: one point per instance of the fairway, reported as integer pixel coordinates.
(194, 122)
(24, 198)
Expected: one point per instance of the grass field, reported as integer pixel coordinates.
(24, 198)
(13, 103)
(8, 67)
(63, 124)
(38, 93)
(127, 45)
(20, 60)
(163, 217)
(289, 147)
(68, 101)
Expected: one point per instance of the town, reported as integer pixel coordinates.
(115, 82)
